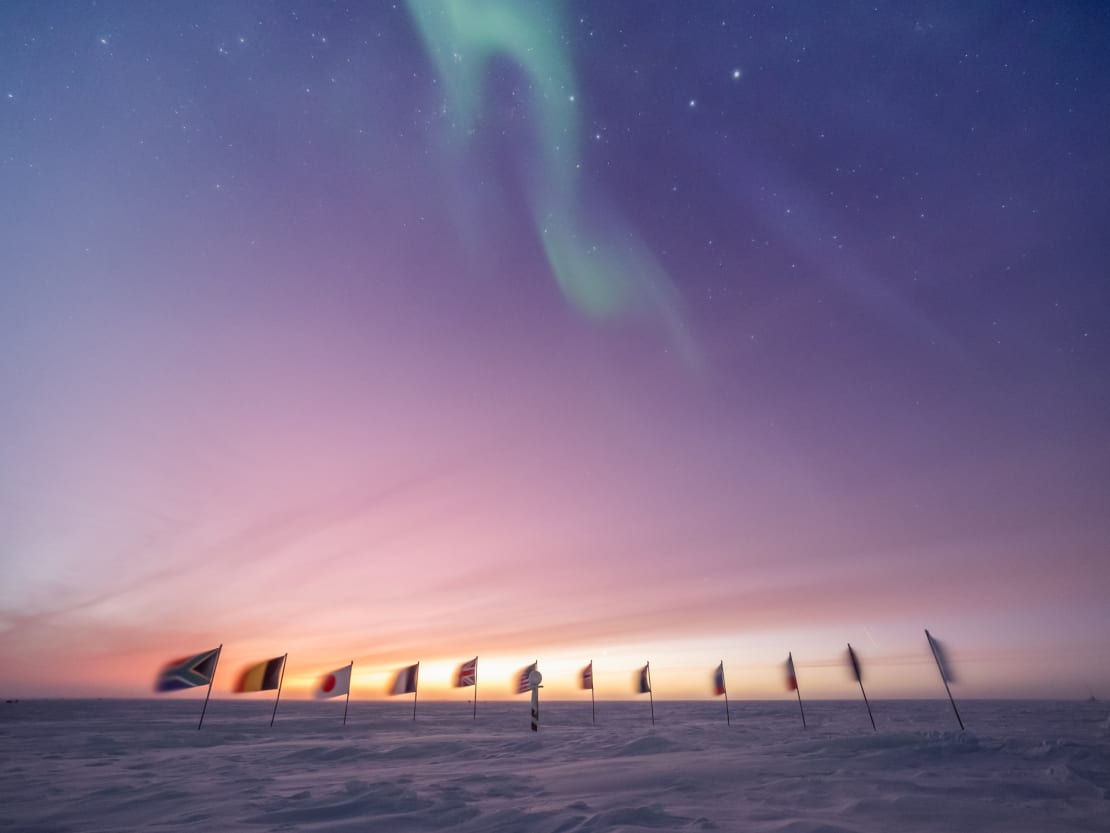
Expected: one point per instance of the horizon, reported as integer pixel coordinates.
(616, 331)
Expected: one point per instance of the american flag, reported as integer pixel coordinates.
(467, 674)
(523, 684)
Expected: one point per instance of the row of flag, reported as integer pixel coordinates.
(268, 675)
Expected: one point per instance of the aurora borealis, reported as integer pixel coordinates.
(623, 331)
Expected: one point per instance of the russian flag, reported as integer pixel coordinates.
(719, 679)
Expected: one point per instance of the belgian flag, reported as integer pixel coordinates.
(262, 676)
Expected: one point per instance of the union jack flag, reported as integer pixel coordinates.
(467, 674)
(523, 684)
(188, 672)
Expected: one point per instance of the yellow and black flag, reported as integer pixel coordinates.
(262, 676)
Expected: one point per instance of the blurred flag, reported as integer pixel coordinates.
(263, 676)
(719, 679)
(854, 662)
(523, 683)
(335, 684)
(587, 680)
(643, 685)
(941, 658)
(791, 677)
(405, 681)
(187, 672)
(467, 673)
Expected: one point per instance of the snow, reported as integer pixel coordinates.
(82, 765)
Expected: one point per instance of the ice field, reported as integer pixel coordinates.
(84, 765)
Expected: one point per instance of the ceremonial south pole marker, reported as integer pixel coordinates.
(534, 680)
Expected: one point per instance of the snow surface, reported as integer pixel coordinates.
(82, 765)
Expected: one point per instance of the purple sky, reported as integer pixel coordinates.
(620, 331)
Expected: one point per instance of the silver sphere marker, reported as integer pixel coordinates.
(534, 680)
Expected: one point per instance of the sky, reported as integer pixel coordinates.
(631, 331)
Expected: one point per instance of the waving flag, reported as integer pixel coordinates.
(853, 661)
(791, 676)
(467, 674)
(187, 672)
(941, 657)
(263, 676)
(405, 681)
(523, 683)
(719, 679)
(587, 678)
(334, 684)
(643, 685)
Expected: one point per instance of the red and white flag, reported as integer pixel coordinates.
(587, 680)
(334, 684)
(791, 676)
(523, 679)
(467, 674)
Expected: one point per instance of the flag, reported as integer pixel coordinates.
(719, 679)
(187, 672)
(524, 684)
(791, 677)
(262, 676)
(334, 684)
(405, 681)
(644, 681)
(854, 662)
(467, 674)
(942, 659)
(587, 680)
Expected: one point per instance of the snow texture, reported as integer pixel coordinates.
(79, 765)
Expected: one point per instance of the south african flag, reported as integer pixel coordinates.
(188, 672)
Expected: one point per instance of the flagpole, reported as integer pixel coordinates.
(475, 715)
(281, 679)
(210, 680)
(797, 689)
(651, 698)
(944, 679)
(859, 679)
(348, 703)
(593, 702)
(728, 717)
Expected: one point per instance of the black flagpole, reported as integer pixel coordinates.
(281, 679)
(859, 679)
(210, 679)
(797, 688)
(651, 698)
(728, 718)
(944, 679)
(415, 686)
(348, 703)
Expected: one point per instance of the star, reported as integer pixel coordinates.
(693, 102)
(737, 74)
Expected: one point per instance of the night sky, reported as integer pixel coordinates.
(627, 331)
